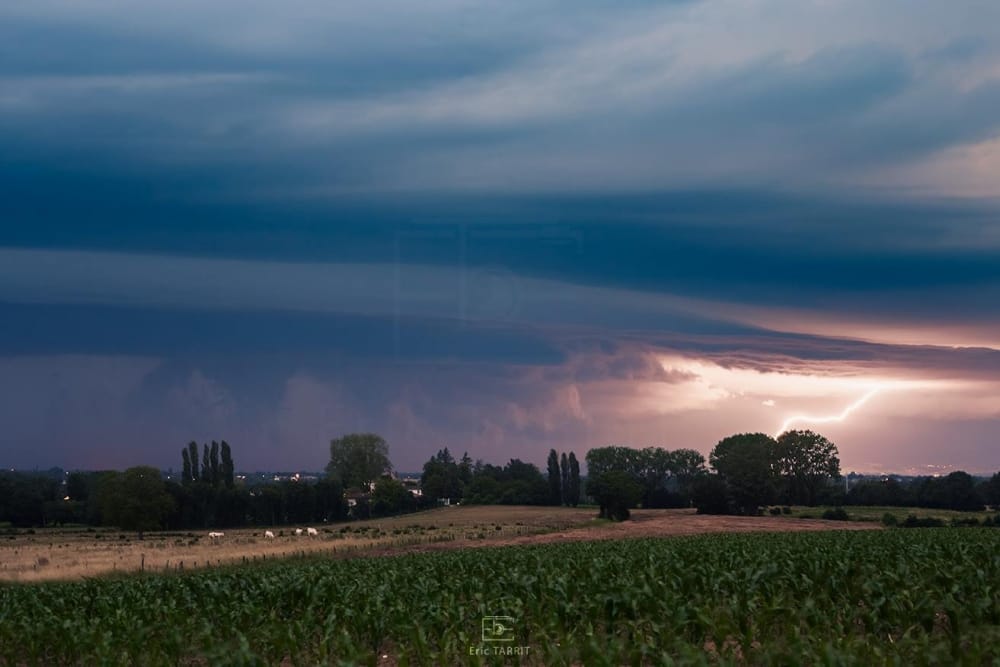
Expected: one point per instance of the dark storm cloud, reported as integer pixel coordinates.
(444, 96)
(475, 223)
(205, 337)
(870, 258)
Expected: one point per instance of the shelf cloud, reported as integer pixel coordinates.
(497, 227)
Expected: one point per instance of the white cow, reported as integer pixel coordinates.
(268, 534)
(216, 536)
(312, 532)
(298, 532)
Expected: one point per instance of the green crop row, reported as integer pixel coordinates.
(843, 598)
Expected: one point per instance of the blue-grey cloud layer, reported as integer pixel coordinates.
(314, 98)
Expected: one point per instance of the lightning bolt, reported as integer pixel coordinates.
(828, 418)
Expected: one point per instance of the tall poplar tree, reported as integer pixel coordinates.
(228, 469)
(193, 455)
(186, 469)
(564, 477)
(213, 463)
(206, 466)
(555, 479)
(574, 480)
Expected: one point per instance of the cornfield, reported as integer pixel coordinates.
(883, 597)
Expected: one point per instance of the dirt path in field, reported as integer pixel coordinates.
(648, 523)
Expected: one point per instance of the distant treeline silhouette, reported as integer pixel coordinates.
(207, 495)
(748, 472)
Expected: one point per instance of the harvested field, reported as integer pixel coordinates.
(661, 523)
(52, 554)
(75, 554)
(653, 523)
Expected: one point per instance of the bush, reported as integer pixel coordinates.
(889, 519)
(836, 514)
(616, 493)
(663, 499)
(775, 511)
(925, 522)
(970, 521)
(786, 510)
(711, 495)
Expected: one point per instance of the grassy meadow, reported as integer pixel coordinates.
(875, 513)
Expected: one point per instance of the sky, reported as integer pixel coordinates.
(499, 228)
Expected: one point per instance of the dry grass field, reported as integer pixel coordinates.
(74, 554)
(52, 554)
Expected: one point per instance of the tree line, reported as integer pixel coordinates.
(745, 473)
(139, 498)
(955, 491)
(358, 484)
(620, 478)
(515, 483)
(749, 471)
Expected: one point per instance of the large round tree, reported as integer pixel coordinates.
(807, 462)
(136, 499)
(358, 459)
(745, 462)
